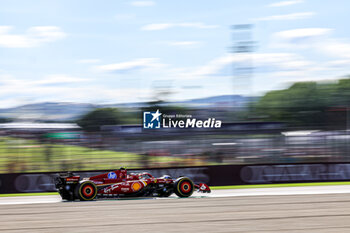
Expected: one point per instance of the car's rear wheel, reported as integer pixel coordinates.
(86, 191)
(183, 187)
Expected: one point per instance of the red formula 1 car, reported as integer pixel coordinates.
(120, 184)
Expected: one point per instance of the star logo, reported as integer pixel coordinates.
(151, 120)
(156, 115)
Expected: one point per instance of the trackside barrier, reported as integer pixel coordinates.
(212, 175)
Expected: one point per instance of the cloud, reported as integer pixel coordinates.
(214, 66)
(293, 16)
(262, 62)
(9, 82)
(89, 61)
(335, 48)
(302, 33)
(299, 38)
(184, 43)
(58, 79)
(142, 3)
(163, 26)
(157, 26)
(316, 39)
(341, 62)
(33, 37)
(285, 3)
(134, 65)
(20, 91)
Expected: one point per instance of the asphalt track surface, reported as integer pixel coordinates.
(292, 209)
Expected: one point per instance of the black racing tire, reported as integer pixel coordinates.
(66, 195)
(183, 187)
(86, 191)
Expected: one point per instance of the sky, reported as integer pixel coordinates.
(130, 51)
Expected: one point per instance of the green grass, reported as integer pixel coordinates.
(21, 155)
(278, 185)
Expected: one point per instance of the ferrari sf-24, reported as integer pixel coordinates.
(118, 184)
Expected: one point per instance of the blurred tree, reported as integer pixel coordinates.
(305, 103)
(92, 121)
(5, 120)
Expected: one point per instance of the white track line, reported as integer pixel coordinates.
(29, 200)
(331, 189)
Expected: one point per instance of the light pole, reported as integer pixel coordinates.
(242, 49)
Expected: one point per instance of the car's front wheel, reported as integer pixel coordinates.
(183, 187)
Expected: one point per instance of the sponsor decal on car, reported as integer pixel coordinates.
(203, 187)
(125, 189)
(112, 175)
(136, 186)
